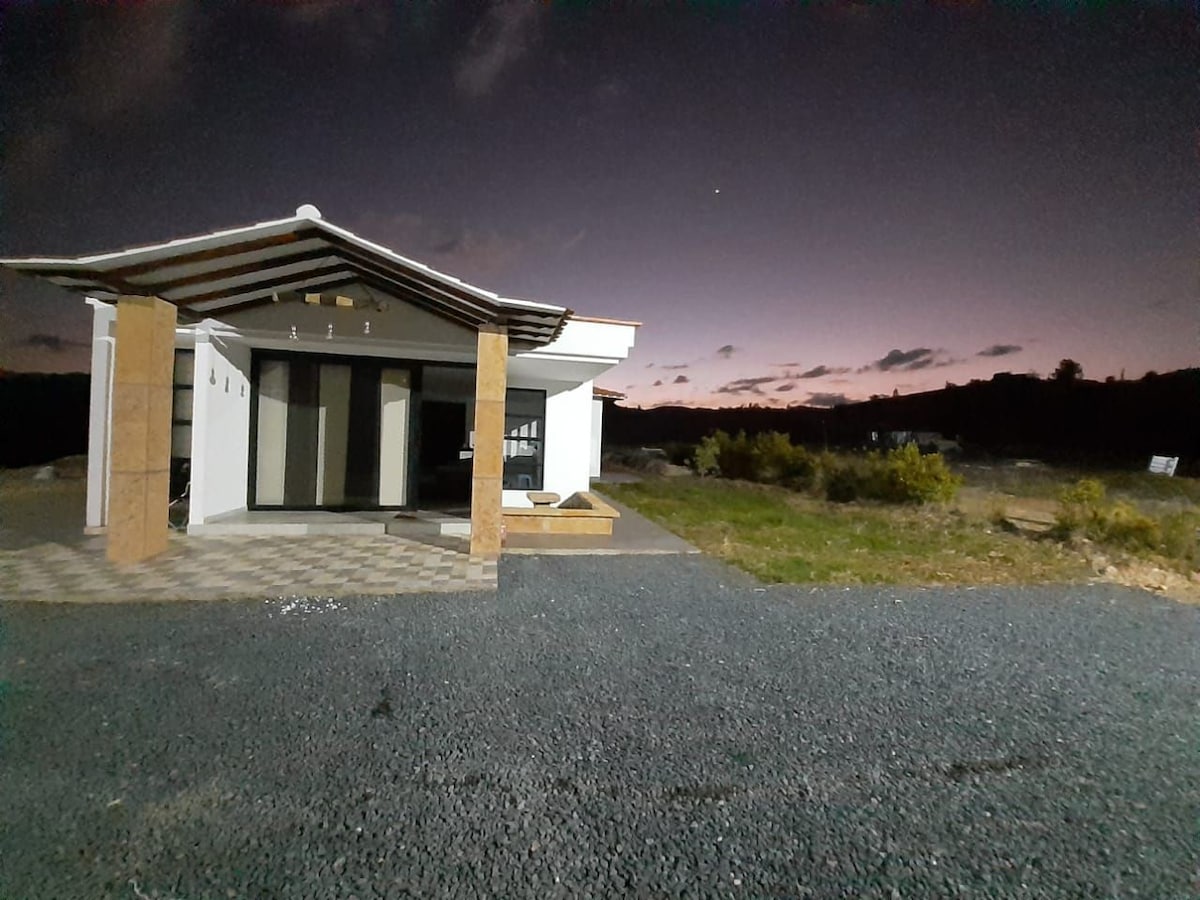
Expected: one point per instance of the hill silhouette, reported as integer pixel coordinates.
(45, 417)
(1077, 421)
(42, 416)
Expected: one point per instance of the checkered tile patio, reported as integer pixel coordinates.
(208, 568)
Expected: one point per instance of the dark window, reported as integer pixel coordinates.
(524, 439)
(181, 406)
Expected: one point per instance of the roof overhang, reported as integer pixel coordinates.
(223, 271)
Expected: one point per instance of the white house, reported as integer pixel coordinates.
(293, 365)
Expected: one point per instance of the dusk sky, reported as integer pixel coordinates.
(801, 202)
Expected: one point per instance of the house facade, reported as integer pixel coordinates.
(293, 365)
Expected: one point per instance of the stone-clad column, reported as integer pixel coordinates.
(139, 485)
(487, 470)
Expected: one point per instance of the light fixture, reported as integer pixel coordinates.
(292, 335)
(329, 332)
(367, 327)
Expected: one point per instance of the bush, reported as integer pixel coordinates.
(1123, 526)
(706, 459)
(1082, 510)
(908, 476)
(769, 458)
(845, 481)
(636, 459)
(1080, 506)
(1179, 537)
(904, 475)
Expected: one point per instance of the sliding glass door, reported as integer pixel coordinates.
(331, 434)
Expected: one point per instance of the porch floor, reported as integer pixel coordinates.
(230, 567)
(417, 524)
(45, 556)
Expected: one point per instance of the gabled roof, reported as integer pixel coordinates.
(226, 270)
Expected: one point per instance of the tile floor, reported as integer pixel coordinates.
(209, 568)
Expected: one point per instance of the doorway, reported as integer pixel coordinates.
(330, 433)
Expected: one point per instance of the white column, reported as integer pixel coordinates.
(104, 317)
(393, 437)
(202, 362)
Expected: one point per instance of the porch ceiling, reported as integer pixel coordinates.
(226, 270)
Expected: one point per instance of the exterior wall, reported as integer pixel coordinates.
(567, 462)
(104, 318)
(220, 427)
(597, 435)
(591, 340)
(399, 329)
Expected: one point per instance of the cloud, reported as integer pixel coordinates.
(681, 379)
(790, 365)
(911, 361)
(52, 342)
(786, 386)
(127, 62)
(674, 368)
(657, 383)
(574, 240)
(727, 351)
(906, 360)
(746, 385)
(502, 36)
(821, 372)
(1000, 350)
(361, 25)
(460, 250)
(827, 400)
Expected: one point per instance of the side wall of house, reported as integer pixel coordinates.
(220, 428)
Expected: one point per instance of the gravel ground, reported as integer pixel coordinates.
(635, 726)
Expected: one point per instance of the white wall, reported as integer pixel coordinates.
(568, 452)
(597, 435)
(104, 323)
(220, 427)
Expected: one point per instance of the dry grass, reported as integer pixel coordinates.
(781, 536)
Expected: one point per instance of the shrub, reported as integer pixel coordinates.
(904, 475)
(908, 476)
(1123, 526)
(844, 480)
(775, 460)
(706, 459)
(1079, 507)
(735, 457)
(1179, 537)
(636, 459)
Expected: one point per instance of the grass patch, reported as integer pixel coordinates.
(1047, 482)
(780, 536)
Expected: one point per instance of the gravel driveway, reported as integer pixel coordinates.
(616, 726)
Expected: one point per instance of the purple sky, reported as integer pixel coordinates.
(800, 201)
